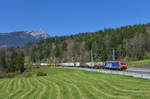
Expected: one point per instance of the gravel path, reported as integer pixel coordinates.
(145, 68)
(138, 74)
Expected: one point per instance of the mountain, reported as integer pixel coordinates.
(21, 38)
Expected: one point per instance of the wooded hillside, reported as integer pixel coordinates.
(129, 42)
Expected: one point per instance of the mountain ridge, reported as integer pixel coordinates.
(21, 38)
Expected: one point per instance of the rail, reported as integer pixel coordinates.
(137, 74)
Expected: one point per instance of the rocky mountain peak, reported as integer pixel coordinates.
(38, 33)
(21, 38)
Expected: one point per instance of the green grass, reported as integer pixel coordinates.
(74, 84)
(138, 63)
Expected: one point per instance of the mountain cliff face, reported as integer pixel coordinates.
(21, 38)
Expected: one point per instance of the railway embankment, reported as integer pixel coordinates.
(128, 72)
(143, 68)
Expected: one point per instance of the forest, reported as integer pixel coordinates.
(127, 42)
(11, 60)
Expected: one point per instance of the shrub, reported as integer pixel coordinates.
(40, 73)
(8, 75)
(27, 74)
(11, 75)
(147, 55)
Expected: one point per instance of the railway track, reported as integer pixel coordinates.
(137, 74)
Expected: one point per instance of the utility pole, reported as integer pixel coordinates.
(54, 61)
(80, 58)
(92, 58)
(55, 54)
(113, 54)
(72, 59)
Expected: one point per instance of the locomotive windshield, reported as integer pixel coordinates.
(123, 63)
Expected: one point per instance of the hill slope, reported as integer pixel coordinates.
(21, 38)
(129, 42)
(74, 84)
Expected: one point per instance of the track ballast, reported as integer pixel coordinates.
(137, 74)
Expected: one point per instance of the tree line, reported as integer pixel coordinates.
(11, 60)
(129, 42)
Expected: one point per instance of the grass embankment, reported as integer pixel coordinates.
(74, 84)
(138, 63)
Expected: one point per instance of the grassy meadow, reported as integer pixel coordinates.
(74, 84)
(138, 63)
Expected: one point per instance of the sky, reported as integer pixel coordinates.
(66, 17)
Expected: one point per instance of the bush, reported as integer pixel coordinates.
(27, 74)
(40, 73)
(147, 55)
(11, 75)
(8, 75)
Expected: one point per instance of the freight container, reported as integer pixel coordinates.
(77, 64)
(44, 64)
(88, 64)
(99, 64)
(67, 64)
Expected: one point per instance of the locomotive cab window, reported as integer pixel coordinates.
(123, 63)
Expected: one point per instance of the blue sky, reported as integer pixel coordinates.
(65, 17)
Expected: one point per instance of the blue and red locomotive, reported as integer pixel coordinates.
(115, 65)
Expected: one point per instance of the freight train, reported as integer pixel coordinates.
(108, 65)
